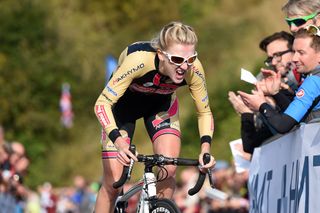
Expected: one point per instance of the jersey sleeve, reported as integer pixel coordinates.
(306, 94)
(197, 86)
(129, 68)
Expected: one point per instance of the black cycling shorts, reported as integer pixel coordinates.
(160, 114)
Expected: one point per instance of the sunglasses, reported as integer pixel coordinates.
(277, 56)
(313, 30)
(300, 20)
(178, 60)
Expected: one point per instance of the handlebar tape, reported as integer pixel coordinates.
(122, 179)
(125, 172)
(201, 177)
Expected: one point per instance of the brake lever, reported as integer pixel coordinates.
(211, 179)
(206, 159)
(132, 149)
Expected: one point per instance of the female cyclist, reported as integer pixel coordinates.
(144, 86)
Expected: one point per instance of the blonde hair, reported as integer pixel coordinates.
(315, 43)
(174, 32)
(301, 7)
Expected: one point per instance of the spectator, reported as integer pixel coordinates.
(82, 196)
(48, 200)
(33, 203)
(65, 204)
(12, 167)
(254, 130)
(18, 152)
(300, 13)
(278, 48)
(305, 105)
(220, 174)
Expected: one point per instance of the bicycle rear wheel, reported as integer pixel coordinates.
(164, 205)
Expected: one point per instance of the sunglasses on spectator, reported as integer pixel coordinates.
(178, 60)
(313, 30)
(277, 56)
(299, 21)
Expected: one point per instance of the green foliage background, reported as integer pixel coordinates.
(46, 43)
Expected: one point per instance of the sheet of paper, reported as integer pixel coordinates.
(241, 163)
(248, 76)
(216, 194)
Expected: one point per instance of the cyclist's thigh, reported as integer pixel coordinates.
(168, 145)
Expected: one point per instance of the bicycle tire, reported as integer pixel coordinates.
(164, 205)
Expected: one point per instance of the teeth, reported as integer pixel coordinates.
(181, 72)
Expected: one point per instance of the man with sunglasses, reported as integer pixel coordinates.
(301, 13)
(305, 105)
(144, 86)
(278, 47)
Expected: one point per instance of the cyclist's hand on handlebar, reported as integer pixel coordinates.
(124, 154)
(209, 165)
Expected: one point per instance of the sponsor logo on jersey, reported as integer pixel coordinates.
(164, 124)
(102, 116)
(196, 71)
(300, 93)
(204, 99)
(110, 90)
(148, 84)
(143, 89)
(129, 72)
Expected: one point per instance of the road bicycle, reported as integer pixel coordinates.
(148, 201)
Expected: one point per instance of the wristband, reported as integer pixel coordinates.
(206, 139)
(114, 134)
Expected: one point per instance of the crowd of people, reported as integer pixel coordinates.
(13, 166)
(288, 88)
(16, 197)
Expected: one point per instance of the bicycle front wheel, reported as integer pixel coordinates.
(164, 205)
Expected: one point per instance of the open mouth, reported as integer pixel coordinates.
(180, 72)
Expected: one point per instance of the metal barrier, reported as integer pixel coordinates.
(285, 171)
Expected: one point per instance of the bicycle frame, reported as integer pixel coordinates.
(147, 186)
